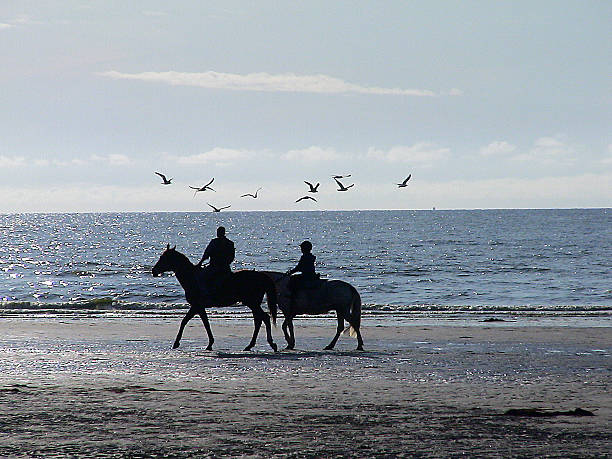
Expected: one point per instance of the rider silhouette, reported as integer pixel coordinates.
(221, 252)
(306, 266)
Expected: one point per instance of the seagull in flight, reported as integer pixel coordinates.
(306, 197)
(313, 188)
(341, 187)
(251, 194)
(217, 209)
(204, 188)
(404, 184)
(165, 180)
(340, 176)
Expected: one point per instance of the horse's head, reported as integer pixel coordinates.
(166, 262)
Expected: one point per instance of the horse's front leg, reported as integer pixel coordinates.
(211, 339)
(338, 331)
(186, 319)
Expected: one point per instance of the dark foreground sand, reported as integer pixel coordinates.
(113, 387)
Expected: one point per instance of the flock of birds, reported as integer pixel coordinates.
(312, 188)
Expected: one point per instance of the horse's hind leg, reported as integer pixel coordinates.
(291, 332)
(257, 319)
(260, 316)
(266, 319)
(358, 333)
(211, 339)
(359, 340)
(338, 331)
(186, 319)
(288, 331)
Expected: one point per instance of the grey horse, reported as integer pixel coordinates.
(329, 295)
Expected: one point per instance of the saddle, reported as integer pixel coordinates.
(313, 283)
(309, 283)
(209, 284)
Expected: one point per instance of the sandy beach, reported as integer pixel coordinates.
(112, 386)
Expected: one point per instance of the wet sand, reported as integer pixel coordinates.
(113, 387)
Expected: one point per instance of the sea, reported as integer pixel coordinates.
(551, 265)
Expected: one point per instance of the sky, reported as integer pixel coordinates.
(503, 104)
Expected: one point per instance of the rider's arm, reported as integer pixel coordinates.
(232, 254)
(206, 255)
(298, 268)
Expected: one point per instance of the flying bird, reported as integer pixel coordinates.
(340, 176)
(306, 197)
(217, 209)
(251, 194)
(313, 188)
(165, 180)
(404, 184)
(204, 188)
(341, 187)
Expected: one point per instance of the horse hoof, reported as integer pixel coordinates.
(360, 348)
(209, 348)
(274, 346)
(248, 348)
(328, 348)
(175, 345)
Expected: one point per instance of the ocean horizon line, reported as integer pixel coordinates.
(436, 209)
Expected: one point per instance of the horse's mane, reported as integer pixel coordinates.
(183, 258)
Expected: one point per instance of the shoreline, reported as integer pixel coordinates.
(369, 319)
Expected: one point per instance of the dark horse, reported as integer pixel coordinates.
(245, 286)
(332, 295)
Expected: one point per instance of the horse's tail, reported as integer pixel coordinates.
(355, 312)
(270, 289)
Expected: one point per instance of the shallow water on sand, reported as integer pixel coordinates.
(114, 387)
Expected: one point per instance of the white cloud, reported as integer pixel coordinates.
(22, 19)
(219, 156)
(588, 190)
(69, 162)
(497, 148)
(20, 161)
(313, 154)
(550, 147)
(453, 92)
(85, 198)
(423, 153)
(286, 82)
(12, 161)
(113, 159)
(59, 162)
(565, 191)
(548, 150)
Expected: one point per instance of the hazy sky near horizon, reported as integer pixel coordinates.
(487, 104)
